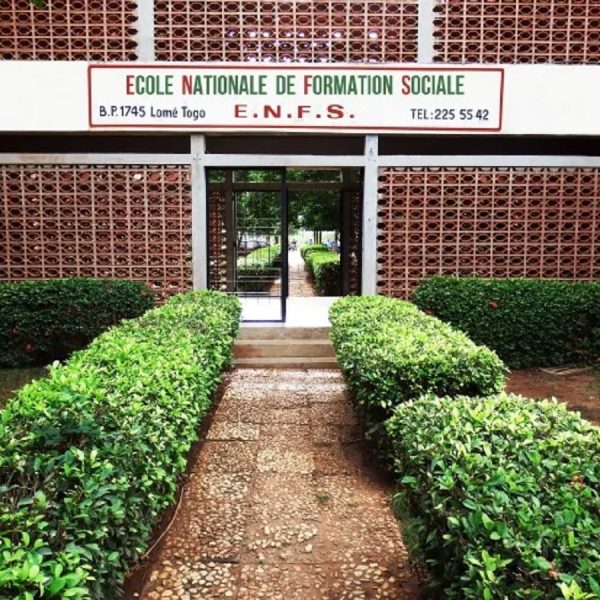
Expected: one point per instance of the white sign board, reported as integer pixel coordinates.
(71, 96)
(296, 97)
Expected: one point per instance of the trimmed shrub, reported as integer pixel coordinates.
(391, 352)
(90, 457)
(528, 322)
(41, 321)
(308, 248)
(258, 269)
(325, 270)
(502, 495)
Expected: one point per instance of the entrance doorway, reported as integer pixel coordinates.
(284, 239)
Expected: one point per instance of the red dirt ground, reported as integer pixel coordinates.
(581, 391)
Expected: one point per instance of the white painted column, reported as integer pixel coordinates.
(199, 214)
(425, 33)
(145, 31)
(369, 224)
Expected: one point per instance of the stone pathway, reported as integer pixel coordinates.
(300, 284)
(282, 502)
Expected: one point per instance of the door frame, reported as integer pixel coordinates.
(230, 187)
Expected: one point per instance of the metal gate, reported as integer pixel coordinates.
(260, 243)
(248, 239)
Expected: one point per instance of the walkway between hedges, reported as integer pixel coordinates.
(300, 284)
(282, 502)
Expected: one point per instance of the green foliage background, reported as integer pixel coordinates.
(257, 270)
(528, 322)
(41, 321)
(324, 268)
(314, 210)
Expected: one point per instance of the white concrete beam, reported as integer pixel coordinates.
(470, 160)
(369, 224)
(20, 158)
(282, 160)
(145, 31)
(199, 214)
(257, 160)
(425, 31)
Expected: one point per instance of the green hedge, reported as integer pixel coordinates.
(90, 457)
(308, 248)
(45, 320)
(258, 269)
(325, 270)
(528, 322)
(502, 495)
(391, 352)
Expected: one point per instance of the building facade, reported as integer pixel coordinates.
(137, 204)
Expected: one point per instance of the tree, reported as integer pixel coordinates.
(259, 212)
(314, 210)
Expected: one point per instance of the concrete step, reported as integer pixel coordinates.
(278, 332)
(283, 348)
(287, 363)
(330, 381)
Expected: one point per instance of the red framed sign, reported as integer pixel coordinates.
(295, 98)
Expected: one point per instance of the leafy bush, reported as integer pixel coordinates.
(504, 496)
(258, 269)
(308, 248)
(90, 457)
(391, 352)
(45, 320)
(529, 322)
(325, 270)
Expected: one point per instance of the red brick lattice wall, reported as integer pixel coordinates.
(101, 30)
(506, 31)
(217, 240)
(487, 222)
(125, 222)
(354, 246)
(326, 31)
(517, 31)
